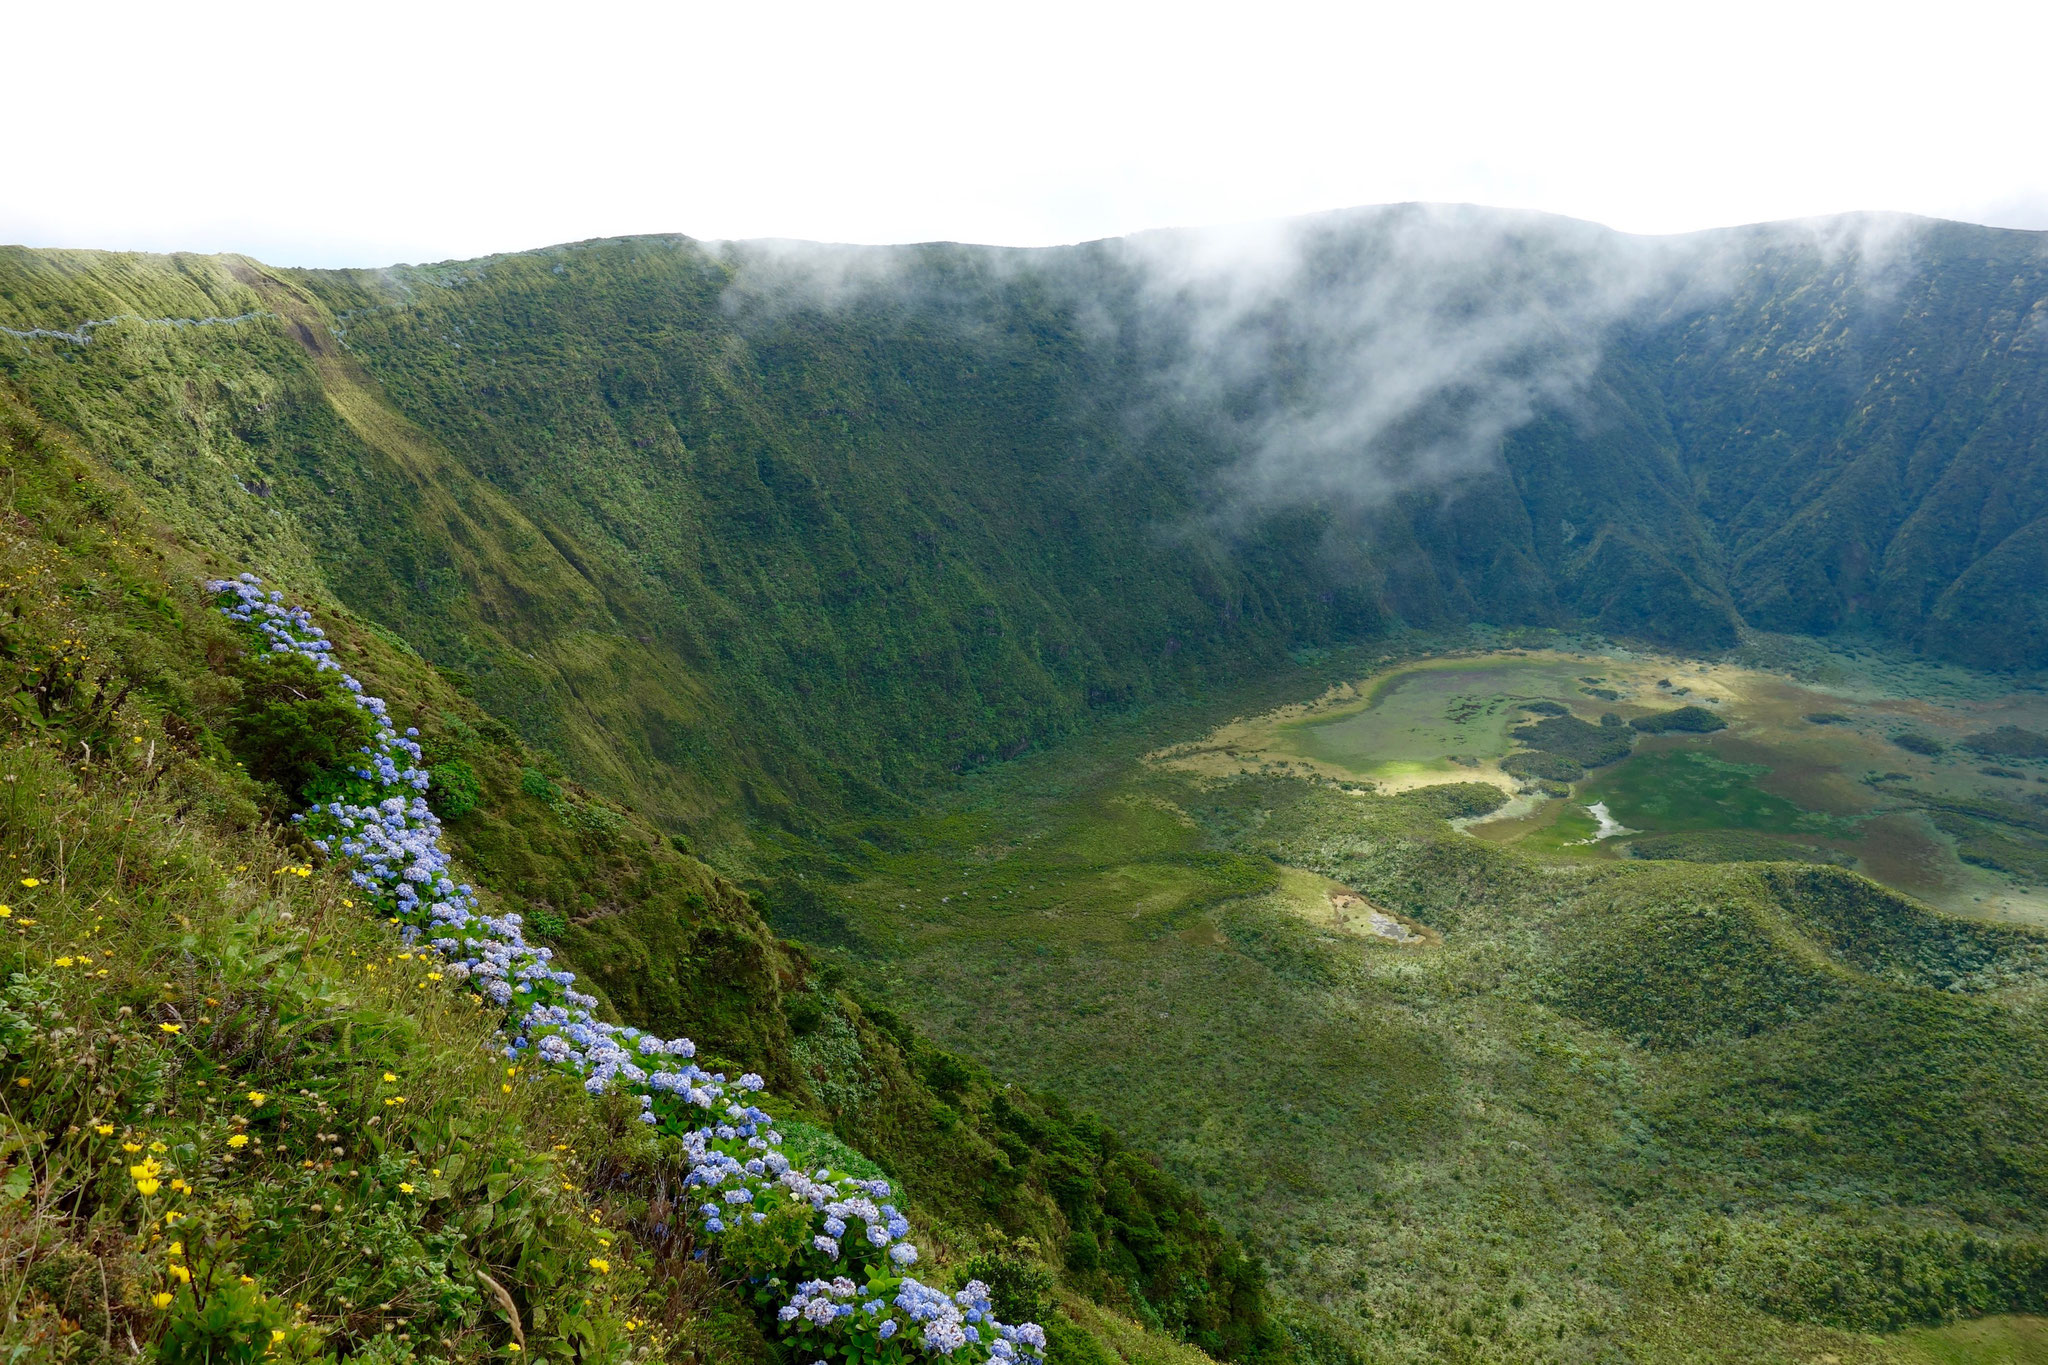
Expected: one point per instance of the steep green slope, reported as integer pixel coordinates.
(1866, 430)
(245, 1004)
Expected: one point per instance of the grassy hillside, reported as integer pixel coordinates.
(324, 1141)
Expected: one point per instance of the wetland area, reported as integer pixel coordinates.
(1929, 778)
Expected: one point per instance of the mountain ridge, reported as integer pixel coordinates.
(1023, 439)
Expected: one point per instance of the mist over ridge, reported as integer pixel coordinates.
(1068, 478)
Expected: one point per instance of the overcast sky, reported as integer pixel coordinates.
(367, 133)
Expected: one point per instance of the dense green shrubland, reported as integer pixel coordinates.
(1628, 1110)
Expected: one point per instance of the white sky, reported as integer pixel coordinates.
(360, 134)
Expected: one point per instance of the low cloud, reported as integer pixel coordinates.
(1337, 361)
(1360, 355)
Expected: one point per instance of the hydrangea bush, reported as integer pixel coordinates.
(824, 1250)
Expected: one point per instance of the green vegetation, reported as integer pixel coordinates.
(2008, 741)
(1675, 790)
(235, 1107)
(1692, 720)
(1537, 766)
(1725, 1095)
(1732, 846)
(1577, 741)
(876, 594)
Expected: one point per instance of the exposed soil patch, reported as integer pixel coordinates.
(1352, 913)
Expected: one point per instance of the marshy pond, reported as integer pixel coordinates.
(1929, 778)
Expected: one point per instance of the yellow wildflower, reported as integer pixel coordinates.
(389, 1078)
(146, 1186)
(184, 1275)
(104, 1129)
(600, 1265)
(404, 1188)
(158, 1147)
(257, 1097)
(31, 881)
(63, 962)
(172, 1028)
(161, 1299)
(131, 1146)
(146, 1170)
(6, 911)
(239, 1140)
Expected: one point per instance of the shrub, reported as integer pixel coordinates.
(2007, 741)
(1020, 1288)
(1535, 766)
(230, 1323)
(291, 730)
(1572, 738)
(1696, 720)
(1457, 800)
(456, 789)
